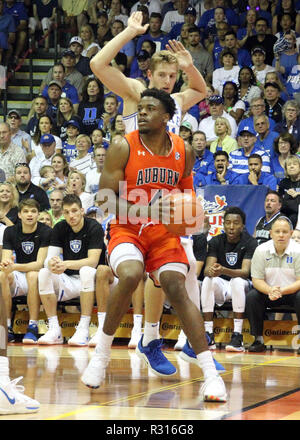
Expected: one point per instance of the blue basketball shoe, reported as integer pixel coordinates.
(154, 358)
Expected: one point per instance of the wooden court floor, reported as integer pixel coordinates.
(259, 386)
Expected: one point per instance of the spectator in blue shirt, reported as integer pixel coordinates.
(256, 176)
(204, 163)
(257, 108)
(18, 11)
(189, 17)
(243, 56)
(222, 175)
(265, 137)
(284, 146)
(291, 119)
(154, 33)
(208, 16)
(7, 33)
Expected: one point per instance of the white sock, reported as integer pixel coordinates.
(84, 322)
(206, 363)
(151, 332)
(53, 322)
(137, 322)
(260, 339)
(238, 325)
(8, 322)
(4, 369)
(209, 326)
(101, 319)
(104, 345)
(33, 322)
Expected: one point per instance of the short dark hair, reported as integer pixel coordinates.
(272, 191)
(164, 97)
(69, 199)
(235, 210)
(221, 153)
(286, 136)
(156, 15)
(194, 29)
(61, 65)
(255, 156)
(231, 32)
(29, 202)
(262, 19)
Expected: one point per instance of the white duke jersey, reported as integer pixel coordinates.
(131, 122)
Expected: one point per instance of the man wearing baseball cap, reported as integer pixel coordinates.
(259, 67)
(273, 101)
(48, 145)
(143, 60)
(82, 63)
(239, 158)
(189, 17)
(263, 39)
(18, 136)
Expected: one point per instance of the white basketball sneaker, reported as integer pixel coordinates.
(51, 337)
(95, 338)
(94, 374)
(180, 341)
(13, 401)
(213, 390)
(80, 337)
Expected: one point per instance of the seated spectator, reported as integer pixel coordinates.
(54, 95)
(70, 91)
(228, 72)
(232, 104)
(204, 163)
(257, 6)
(273, 101)
(265, 137)
(224, 141)
(102, 30)
(259, 67)
(90, 47)
(289, 188)
(94, 174)
(287, 59)
(147, 46)
(222, 175)
(275, 279)
(210, 32)
(29, 241)
(72, 75)
(282, 8)
(154, 33)
(116, 11)
(257, 108)
(284, 146)
(27, 189)
(10, 154)
(110, 112)
(56, 211)
(274, 77)
(154, 6)
(74, 13)
(117, 127)
(186, 131)
(129, 48)
(291, 120)
(43, 19)
(202, 59)
(83, 161)
(262, 39)
(82, 62)
(45, 126)
(61, 170)
(68, 146)
(216, 109)
(174, 17)
(40, 107)
(47, 175)
(7, 34)
(143, 63)
(65, 113)
(48, 145)
(247, 28)
(18, 136)
(243, 57)
(227, 275)
(192, 120)
(272, 206)
(256, 176)
(9, 200)
(19, 13)
(76, 185)
(247, 88)
(216, 45)
(208, 16)
(296, 235)
(63, 253)
(239, 157)
(98, 139)
(45, 217)
(91, 107)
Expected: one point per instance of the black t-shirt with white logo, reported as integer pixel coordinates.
(26, 246)
(231, 255)
(76, 245)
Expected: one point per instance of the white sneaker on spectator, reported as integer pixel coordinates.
(213, 390)
(13, 401)
(51, 337)
(80, 337)
(136, 335)
(180, 341)
(94, 374)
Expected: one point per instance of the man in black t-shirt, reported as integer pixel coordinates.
(227, 273)
(28, 240)
(27, 189)
(79, 241)
(262, 39)
(273, 203)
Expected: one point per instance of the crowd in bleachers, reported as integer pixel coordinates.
(242, 132)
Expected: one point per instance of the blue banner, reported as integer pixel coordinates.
(217, 198)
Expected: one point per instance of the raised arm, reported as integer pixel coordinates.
(111, 77)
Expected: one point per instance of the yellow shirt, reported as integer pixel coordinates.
(228, 144)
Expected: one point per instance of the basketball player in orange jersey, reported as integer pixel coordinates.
(164, 68)
(134, 247)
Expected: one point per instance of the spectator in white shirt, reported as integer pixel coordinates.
(84, 160)
(94, 174)
(18, 136)
(76, 185)
(152, 5)
(48, 145)
(173, 17)
(229, 71)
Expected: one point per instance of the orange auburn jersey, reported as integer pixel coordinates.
(152, 173)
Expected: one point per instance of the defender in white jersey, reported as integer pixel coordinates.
(162, 74)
